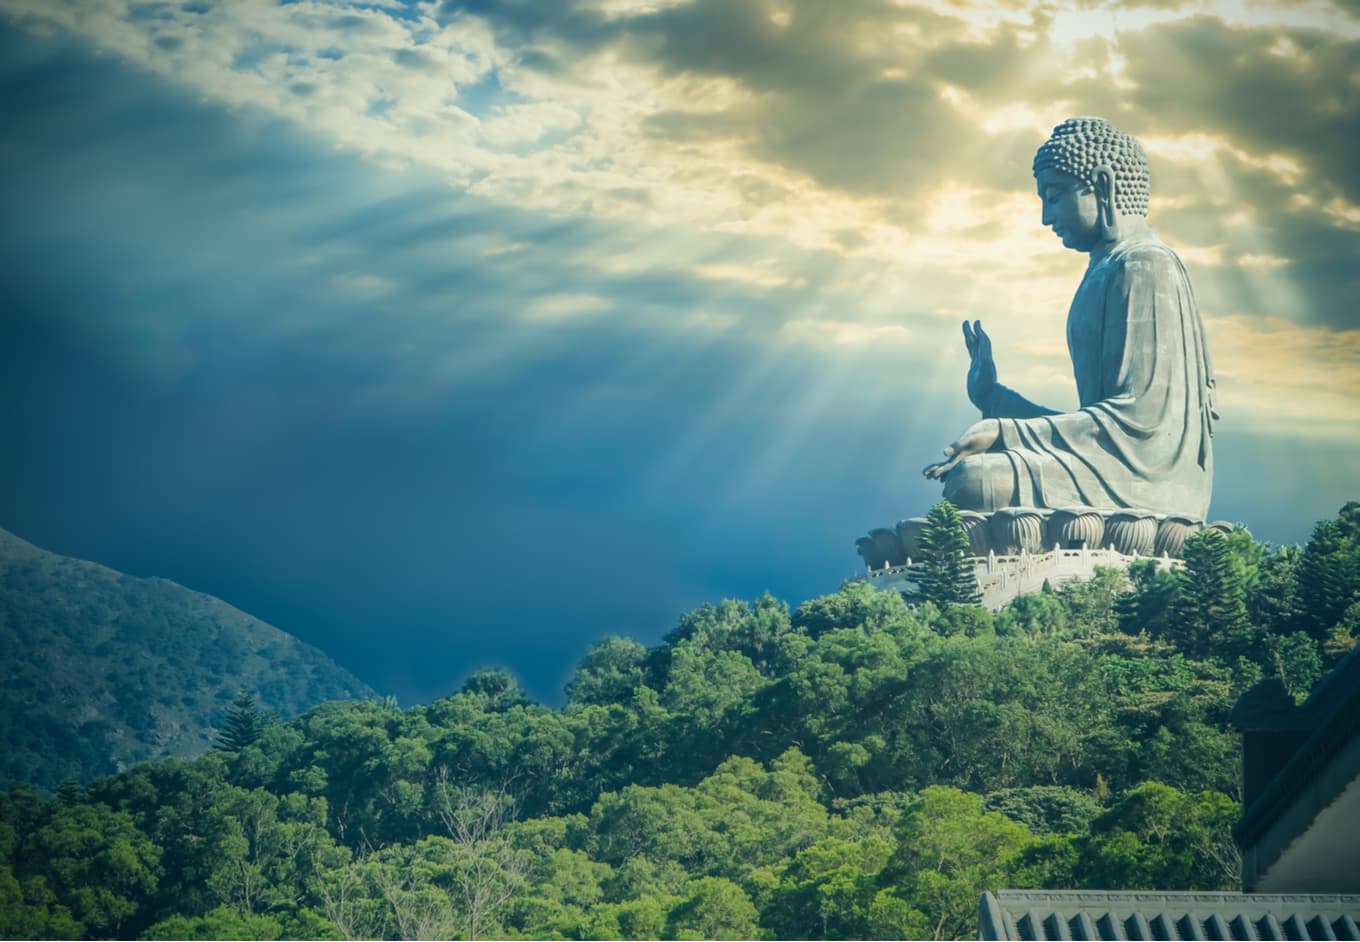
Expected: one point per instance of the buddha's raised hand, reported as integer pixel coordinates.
(982, 369)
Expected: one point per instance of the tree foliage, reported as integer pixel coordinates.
(946, 575)
(1208, 610)
(244, 723)
(1329, 572)
(855, 768)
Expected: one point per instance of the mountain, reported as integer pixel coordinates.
(102, 670)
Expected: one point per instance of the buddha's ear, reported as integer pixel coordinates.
(1105, 185)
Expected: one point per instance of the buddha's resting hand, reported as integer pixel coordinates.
(982, 370)
(980, 437)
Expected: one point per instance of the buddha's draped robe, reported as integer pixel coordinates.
(1142, 437)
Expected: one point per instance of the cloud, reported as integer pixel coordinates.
(1268, 376)
(832, 130)
(511, 125)
(378, 315)
(820, 332)
(554, 306)
(1296, 104)
(852, 134)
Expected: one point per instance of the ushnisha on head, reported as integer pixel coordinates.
(1082, 147)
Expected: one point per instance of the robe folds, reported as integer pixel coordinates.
(1142, 437)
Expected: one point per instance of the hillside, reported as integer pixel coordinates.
(102, 670)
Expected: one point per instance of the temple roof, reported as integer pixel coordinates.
(1096, 914)
(1301, 777)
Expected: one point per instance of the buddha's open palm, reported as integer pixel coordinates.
(980, 437)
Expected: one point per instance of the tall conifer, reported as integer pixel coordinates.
(245, 721)
(946, 574)
(1329, 571)
(1209, 604)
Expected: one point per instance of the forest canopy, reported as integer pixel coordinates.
(853, 767)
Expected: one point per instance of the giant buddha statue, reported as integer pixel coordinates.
(1142, 436)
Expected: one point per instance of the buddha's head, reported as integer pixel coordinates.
(1090, 176)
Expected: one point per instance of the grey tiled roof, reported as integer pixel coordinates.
(1087, 914)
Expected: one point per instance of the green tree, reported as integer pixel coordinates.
(713, 908)
(949, 851)
(372, 765)
(1329, 571)
(562, 891)
(828, 889)
(987, 713)
(946, 575)
(1295, 659)
(99, 866)
(31, 910)
(740, 767)
(1208, 610)
(244, 723)
(223, 922)
(609, 673)
(498, 688)
(70, 792)
(415, 884)
(1275, 606)
(263, 847)
(1093, 604)
(1157, 837)
(1147, 607)
(1046, 809)
(1035, 614)
(856, 604)
(1343, 635)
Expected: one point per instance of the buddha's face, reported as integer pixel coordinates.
(1070, 208)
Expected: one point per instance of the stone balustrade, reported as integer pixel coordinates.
(1001, 578)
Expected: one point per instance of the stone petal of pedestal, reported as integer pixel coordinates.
(1131, 532)
(909, 532)
(1074, 527)
(979, 532)
(1223, 526)
(1172, 533)
(888, 546)
(868, 551)
(1016, 530)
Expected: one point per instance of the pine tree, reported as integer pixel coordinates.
(946, 574)
(1208, 610)
(1275, 606)
(244, 724)
(70, 792)
(1329, 572)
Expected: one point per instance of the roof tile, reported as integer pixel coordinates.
(1090, 915)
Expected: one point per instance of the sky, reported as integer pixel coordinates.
(461, 335)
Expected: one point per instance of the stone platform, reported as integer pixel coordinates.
(1017, 549)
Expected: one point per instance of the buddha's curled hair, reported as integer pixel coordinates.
(1079, 145)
